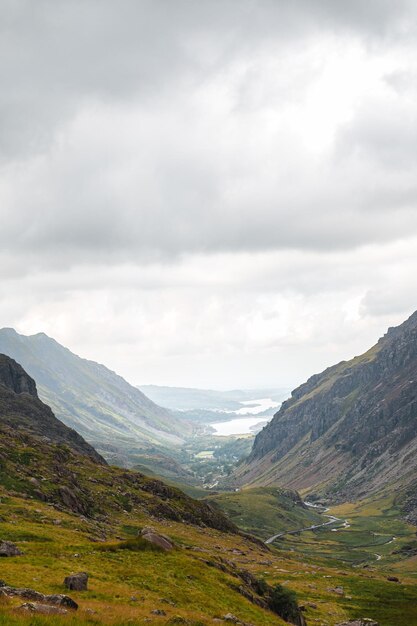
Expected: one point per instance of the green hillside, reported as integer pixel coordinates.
(111, 414)
(265, 511)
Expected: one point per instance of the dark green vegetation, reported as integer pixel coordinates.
(266, 511)
(350, 431)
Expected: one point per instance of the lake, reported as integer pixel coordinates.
(243, 425)
(238, 426)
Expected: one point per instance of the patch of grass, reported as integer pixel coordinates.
(265, 511)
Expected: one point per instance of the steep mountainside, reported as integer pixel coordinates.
(349, 431)
(22, 411)
(111, 414)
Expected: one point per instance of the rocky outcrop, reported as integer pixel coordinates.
(35, 596)
(349, 429)
(43, 609)
(14, 377)
(20, 408)
(278, 599)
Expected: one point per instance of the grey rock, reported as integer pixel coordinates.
(44, 609)
(77, 582)
(164, 542)
(7, 548)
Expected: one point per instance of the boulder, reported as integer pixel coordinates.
(60, 599)
(77, 582)
(149, 534)
(7, 548)
(44, 609)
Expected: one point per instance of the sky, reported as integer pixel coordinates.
(215, 194)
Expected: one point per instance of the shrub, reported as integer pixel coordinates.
(283, 602)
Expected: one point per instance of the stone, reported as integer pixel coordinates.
(164, 542)
(77, 582)
(393, 579)
(158, 612)
(62, 600)
(44, 609)
(7, 548)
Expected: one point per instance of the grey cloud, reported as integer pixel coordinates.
(389, 300)
(176, 175)
(55, 54)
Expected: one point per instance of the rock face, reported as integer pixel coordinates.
(77, 582)
(14, 377)
(7, 548)
(20, 408)
(353, 427)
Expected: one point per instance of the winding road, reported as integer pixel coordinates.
(332, 520)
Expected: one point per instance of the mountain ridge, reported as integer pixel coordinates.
(350, 430)
(91, 398)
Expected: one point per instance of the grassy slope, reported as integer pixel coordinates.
(56, 543)
(265, 511)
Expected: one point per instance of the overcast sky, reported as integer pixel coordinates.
(213, 193)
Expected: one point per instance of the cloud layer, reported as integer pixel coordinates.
(228, 185)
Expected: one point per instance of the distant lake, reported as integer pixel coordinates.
(257, 406)
(243, 425)
(238, 426)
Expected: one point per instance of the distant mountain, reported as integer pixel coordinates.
(349, 431)
(115, 417)
(21, 411)
(204, 405)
